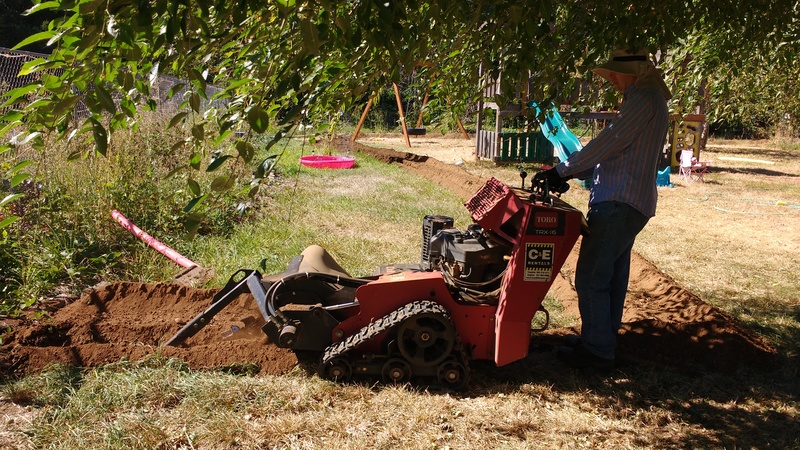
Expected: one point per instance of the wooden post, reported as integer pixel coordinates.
(463, 130)
(461, 125)
(402, 114)
(422, 110)
(361, 121)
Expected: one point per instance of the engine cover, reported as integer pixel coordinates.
(479, 259)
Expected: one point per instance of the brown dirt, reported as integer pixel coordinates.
(663, 323)
(129, 320)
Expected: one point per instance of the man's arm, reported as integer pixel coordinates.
(627, 125)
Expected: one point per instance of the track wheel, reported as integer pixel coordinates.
(397, 371)
(337, 369)
(426, 339)
(452, 374)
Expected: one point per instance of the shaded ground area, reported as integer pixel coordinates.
(663, 323)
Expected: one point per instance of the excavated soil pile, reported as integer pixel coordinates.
(129, 320)
(664, 323)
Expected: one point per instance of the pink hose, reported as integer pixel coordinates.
(151, 241)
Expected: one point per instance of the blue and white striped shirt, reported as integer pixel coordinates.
(625, 154)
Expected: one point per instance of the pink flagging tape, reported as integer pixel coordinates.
(151, 241)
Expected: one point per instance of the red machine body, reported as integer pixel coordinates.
(542, 236)
(472, 297)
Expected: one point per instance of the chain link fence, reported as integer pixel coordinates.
(12, 61)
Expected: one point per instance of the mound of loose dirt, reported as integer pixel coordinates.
(663, 322)
(129, 320)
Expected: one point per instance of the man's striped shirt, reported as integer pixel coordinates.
(624, 156)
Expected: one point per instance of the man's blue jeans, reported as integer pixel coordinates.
(601, 276)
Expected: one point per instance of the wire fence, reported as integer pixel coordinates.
(12, 62)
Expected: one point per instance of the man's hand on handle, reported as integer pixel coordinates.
(552, 180)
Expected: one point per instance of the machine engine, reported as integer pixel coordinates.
(471, 262)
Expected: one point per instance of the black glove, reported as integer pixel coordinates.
(551, 176)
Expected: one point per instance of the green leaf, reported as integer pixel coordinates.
(19, 178)
(42, 6)
(310, 36)
(8, 221)
(246, 150)
(217, 162)
(194, 102)
(222, 136)
(194, 186)
(10, 198)
(176, 119)
(223, 183)
(193, 222)
(275, 139)
(100, 137)
(194, 161)
(177, 146)
(41, 36)
(174, 172)
(293, 114)
(11, 116)
(14, 94)
(194, 202)
(258, 119)
(64, 104)
(198, 132)
(21, 165)
(175, 89)
(265, 167)
(105, 99)
(198, 79)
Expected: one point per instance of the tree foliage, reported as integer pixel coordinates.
(15, 26)
(285, 61)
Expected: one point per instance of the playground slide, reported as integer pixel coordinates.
(556, 131)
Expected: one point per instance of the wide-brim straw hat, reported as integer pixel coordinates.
(634, 63)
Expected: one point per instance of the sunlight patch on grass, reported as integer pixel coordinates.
(364, 218)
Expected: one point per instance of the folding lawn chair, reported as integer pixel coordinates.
(691, 169)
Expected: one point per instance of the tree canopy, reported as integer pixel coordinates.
(285, 61)
(15, 26)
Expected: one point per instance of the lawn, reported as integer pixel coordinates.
(732, 240)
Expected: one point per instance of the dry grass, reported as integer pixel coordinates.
(743, 263)
(733, 240)
(161, 404)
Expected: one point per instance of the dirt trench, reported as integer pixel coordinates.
(663, 322)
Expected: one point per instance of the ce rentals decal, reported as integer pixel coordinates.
(539, 261)
(539, 256)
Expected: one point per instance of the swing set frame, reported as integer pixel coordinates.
(418, 130)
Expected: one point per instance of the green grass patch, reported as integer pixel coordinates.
(366, 217)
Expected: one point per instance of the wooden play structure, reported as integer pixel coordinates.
(500, 146)
(417, 130)
(689, 132)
